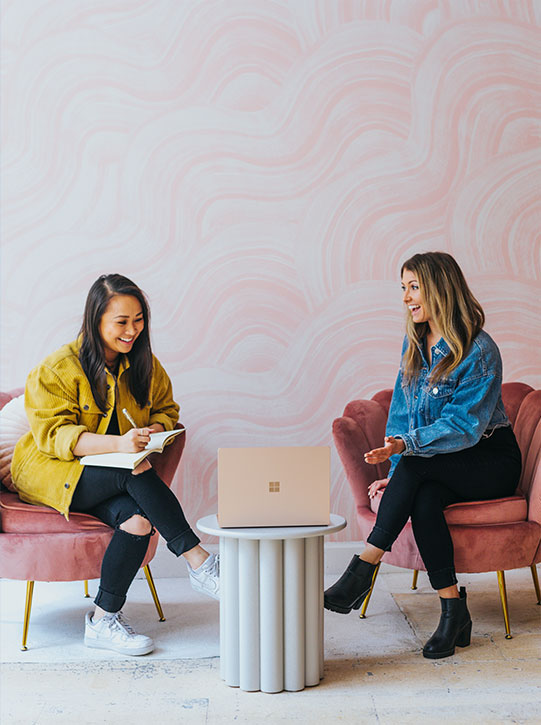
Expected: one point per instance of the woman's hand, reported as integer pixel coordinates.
(377, 486)
(156, 428)
(392, 446)
(143, 466)
(134, 440)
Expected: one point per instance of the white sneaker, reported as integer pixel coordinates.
(206, 578)
(112, 631)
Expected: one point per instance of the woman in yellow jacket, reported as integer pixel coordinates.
(72, 400)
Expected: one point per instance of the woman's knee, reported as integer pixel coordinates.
(427, 502)
(412, 466)
(137, 525)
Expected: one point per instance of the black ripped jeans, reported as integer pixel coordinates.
(114, 495)
(421, 488)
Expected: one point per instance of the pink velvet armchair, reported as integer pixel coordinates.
(487, 536)
(38, 544)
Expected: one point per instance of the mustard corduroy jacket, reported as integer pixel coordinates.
(60, 406)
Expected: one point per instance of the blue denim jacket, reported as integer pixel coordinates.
(455, 412)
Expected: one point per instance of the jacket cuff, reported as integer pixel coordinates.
(162, 419)
(66, 440)
(408, 442)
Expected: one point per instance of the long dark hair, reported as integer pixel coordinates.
(453, 307)
(92, 353)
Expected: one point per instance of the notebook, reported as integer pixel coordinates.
(287, 486)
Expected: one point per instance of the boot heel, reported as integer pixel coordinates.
(464, 637)
(357, 604)
(350, 591)
(454, 628)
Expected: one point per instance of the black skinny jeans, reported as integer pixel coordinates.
(114, 495)
(421, 488)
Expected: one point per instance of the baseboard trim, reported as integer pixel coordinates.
(337, 555)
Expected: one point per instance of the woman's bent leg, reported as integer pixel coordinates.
(156, 502)
(153, 497)
(125, 553)
(163, 510)
(121, 562)
(396, 504)
(432, 534)
(421, 487)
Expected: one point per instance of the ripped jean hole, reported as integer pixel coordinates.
(137, 537)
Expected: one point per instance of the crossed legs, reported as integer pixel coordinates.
(132, 505)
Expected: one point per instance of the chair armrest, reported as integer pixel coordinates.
(165, 464)
(5, 397)
(354, 434)
(528, 432)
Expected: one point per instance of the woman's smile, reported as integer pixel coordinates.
(412, 297)
(121, 325)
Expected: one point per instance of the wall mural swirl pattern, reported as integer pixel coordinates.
(262, 168)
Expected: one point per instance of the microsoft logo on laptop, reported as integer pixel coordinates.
(274, 486)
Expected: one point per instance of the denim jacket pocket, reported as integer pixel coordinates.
(437, 396)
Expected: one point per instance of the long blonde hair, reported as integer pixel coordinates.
(450, 303)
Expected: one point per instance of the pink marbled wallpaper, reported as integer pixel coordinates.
(262, 168)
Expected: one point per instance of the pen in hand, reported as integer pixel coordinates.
(134, 424)
(128, 416)
(143, 433)
(144, 465)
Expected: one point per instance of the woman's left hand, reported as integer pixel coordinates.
(376, 486)
(143, 466)
(392, 446)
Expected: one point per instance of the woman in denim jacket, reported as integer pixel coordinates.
(448, 438)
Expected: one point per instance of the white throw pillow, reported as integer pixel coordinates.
(13, 425)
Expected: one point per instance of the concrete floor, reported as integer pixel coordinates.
(374, 670)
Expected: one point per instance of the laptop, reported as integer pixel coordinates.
(287, 486)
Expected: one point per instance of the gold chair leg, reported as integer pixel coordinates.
(414, 582)
(362, 615)
(27, 608)
(536, 583)
(154, 593)
(87, 595)
(503, 597)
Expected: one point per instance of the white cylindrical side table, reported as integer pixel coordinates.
(271, 604)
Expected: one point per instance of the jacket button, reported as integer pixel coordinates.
(108, 387)
(435, 391)
(66, 485)
(85, 407)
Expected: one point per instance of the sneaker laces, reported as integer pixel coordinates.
(210, 567)
(213, 569)
(118, 621)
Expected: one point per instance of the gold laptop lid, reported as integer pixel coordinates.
(288, 486)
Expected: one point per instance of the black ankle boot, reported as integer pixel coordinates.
(350, 591)
(454, 628)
